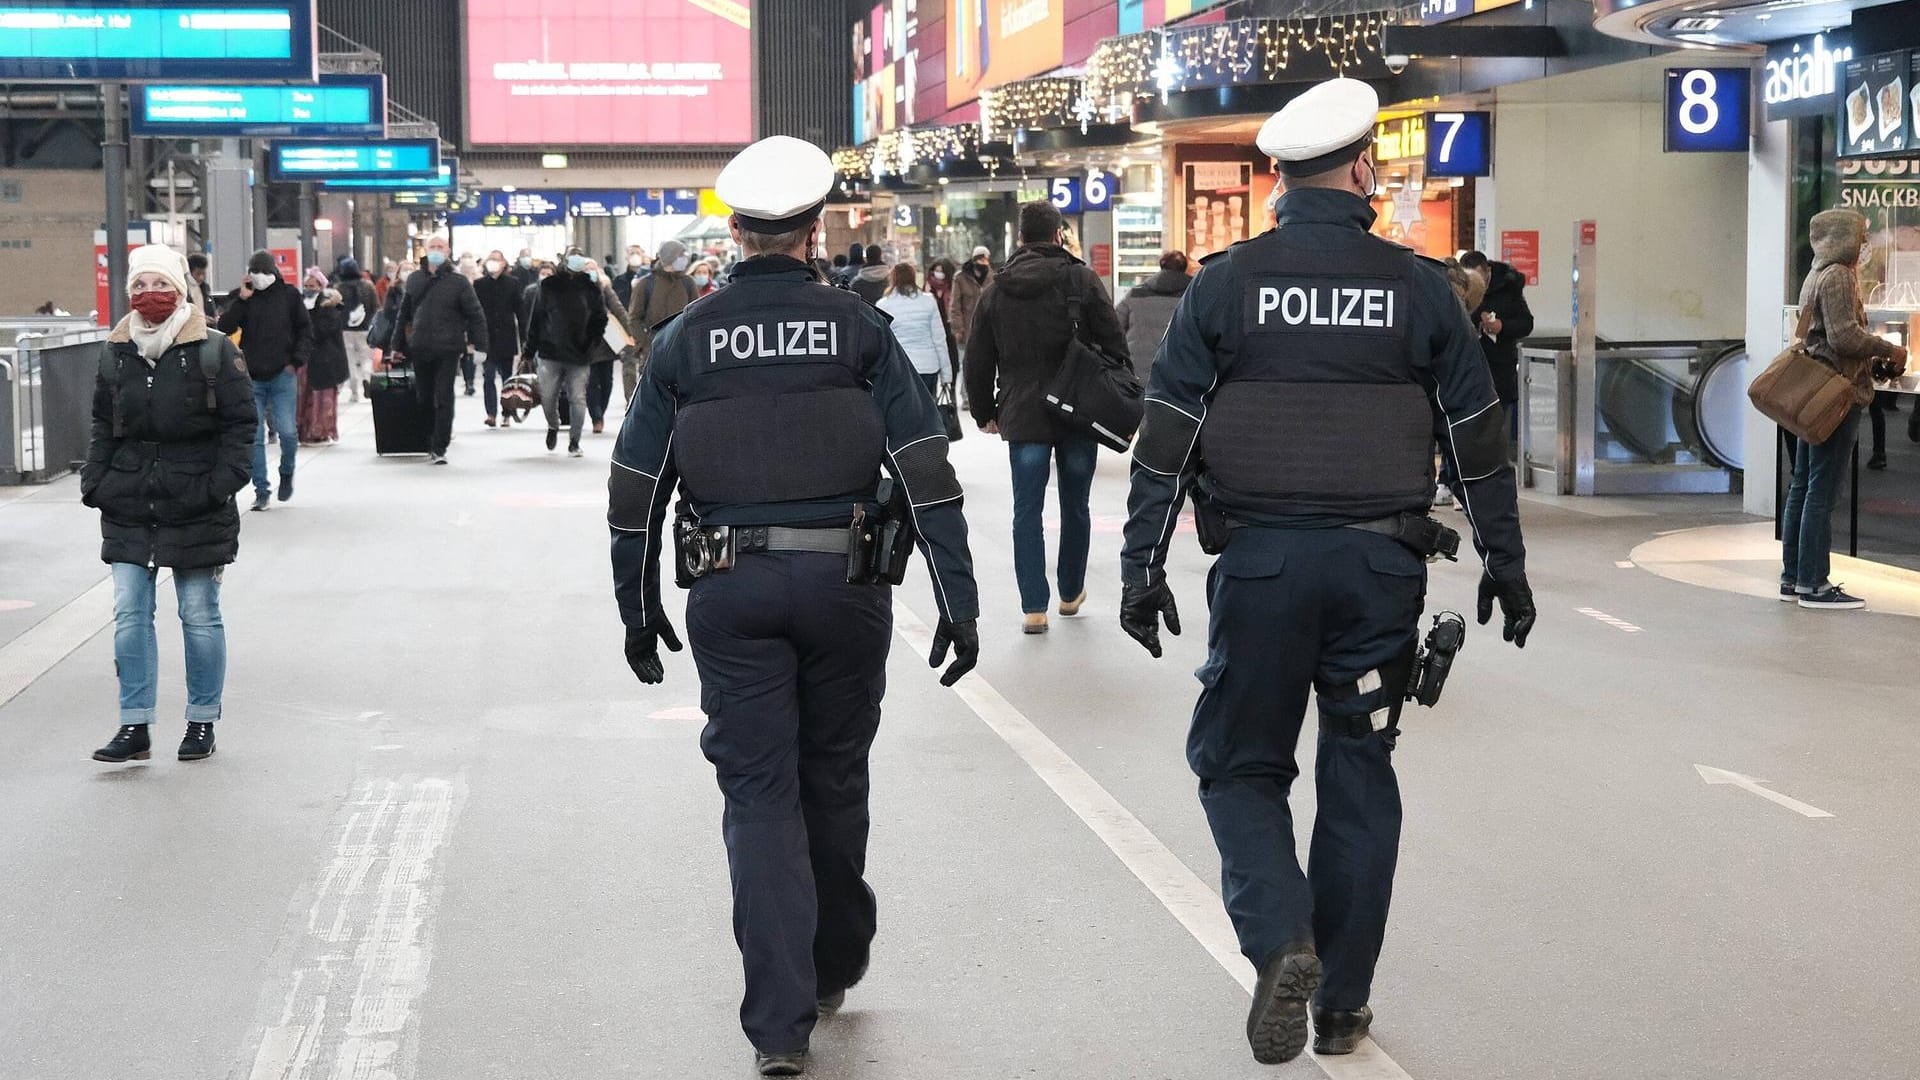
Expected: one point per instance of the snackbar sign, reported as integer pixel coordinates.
(1800, 77)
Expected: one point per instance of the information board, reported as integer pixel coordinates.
(1460, 144)
(1707, 110)
(446, 180)
(158, 41)
(341, 105)
(599, 204)
(683, 201)
(392, 159)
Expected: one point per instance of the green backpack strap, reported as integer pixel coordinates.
(213, 357)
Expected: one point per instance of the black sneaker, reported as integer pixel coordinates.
(469, 389)
(261, 500)
(286, 486)
(553, 437)
(573, 448)
(198, 743)
(1339, 1031)
(130, 743)
(1877, 460)
(785, 1063)
(1830, 598)
(1788, 594)
(436, 459)
(1277, 1023)
(831, 1003)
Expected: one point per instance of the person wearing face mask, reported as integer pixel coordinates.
(1300, 388)
(569, 319)
(660, 296)
(359, 303)
(630, 277)
(525, 269)
(968, 285)
(605, 356)
(318, 416)
(706, 277)
(173, 417)
(440, 326)
(499, 294)
(276, 337)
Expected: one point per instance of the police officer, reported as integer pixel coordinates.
(1300, 389)
(774, 404)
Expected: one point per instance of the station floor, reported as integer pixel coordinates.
(448, 835)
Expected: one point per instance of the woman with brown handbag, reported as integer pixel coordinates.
(1837, 335)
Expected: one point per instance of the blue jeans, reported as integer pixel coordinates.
(1031, 462)
(1806, 528)
(276, 401)
(136, 649)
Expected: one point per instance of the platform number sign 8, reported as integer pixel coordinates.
(1459, 144)
(1707, 109)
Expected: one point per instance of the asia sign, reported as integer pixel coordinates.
(992, 42)
(1800, 76)
(561, 73)
(161, 40)
(339, 105)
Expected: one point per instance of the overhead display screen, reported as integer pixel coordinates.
(393, 159)
(163, 40)
(886, 64)
(990, 42)
(339, 105)
(564, 73)
(444, 181)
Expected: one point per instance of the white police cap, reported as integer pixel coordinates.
(1322, 129)
(777, 185)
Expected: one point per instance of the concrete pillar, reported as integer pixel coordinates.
(1769, 263)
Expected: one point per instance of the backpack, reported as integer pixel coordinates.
(211, 361)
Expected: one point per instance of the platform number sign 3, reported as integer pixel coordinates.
(1708, 109)
(1459, 144)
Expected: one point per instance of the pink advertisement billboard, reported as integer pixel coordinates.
(565, 73)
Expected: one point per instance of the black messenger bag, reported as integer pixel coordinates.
(1094, 392)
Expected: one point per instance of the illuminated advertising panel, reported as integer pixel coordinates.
(339, 105)
(992, 42)
(1138, 15)
(886, 59)
(393, 159)
(67, 41)
(556, 73)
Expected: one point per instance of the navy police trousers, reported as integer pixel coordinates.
(1335, 611)
(793, 664)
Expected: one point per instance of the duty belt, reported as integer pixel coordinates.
(1426, 537)
(751, 538)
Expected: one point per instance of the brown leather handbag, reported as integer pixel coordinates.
(1799, 391)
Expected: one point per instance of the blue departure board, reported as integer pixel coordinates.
(339, 105)
(392, 159)
(446, 180)
(158, 41)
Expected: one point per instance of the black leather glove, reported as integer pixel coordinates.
(1516, 605)
(1141, 607)
(964, 637)
(643, 648)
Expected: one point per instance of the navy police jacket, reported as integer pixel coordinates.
(777, 401)
(1303, 383)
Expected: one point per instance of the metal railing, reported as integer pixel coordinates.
(47, 370)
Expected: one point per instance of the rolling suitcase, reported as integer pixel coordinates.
(401, 423)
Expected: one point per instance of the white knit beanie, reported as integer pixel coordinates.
(158, 259)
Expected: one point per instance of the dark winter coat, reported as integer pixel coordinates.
(968, 284)
(1019, 337)
(275, 332)
(355, 290)
(626, 283)
(568, 318)
(328, 368)
(870, 284)
(165, 487)
(500, 300)
(1506, 300)
(1145, 312)
(440, 316)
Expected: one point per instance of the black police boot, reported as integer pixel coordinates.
(785, 1063)
(831, 1003)
(1339, 1031)
(1277, 1024)
(286, 486)
(198, 742)
(130, 743)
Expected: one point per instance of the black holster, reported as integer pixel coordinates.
(880, 545)
(1210, 524)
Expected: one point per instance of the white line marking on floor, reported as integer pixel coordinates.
(362, 953)
(1618, 624)
(1179, 890)
(34, 653)
(1747, 783)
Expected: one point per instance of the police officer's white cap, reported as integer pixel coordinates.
(777, 185)
(1322, 129)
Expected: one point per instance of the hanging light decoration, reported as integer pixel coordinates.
(1029, 103)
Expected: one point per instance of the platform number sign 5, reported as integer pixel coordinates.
(1459, 144)
(1708, 109)
(1078, 195)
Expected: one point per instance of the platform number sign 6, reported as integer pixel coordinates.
(1078, 195)
(1707, 109)
(1459, 144)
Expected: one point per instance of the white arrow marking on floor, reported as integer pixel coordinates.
(1179, 890)
(1747, 783)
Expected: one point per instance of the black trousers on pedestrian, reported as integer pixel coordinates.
(467, 369)
(599, 390)
(793, 664)
(433, 385)
(1335, 611)
(497, 372)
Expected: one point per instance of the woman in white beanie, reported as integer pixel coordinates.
(173, 428)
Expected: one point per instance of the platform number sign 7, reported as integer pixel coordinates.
(1459, 144)
(1707, 109)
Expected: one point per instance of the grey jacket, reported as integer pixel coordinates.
(1145, 312)
(1838, 334)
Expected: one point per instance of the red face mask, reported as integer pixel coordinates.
(156, 307)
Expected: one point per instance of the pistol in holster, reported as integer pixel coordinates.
(879, 545)
(1210, 523)
(1433, 660)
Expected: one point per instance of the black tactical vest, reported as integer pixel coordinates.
(773, 403)
(1319, 412)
